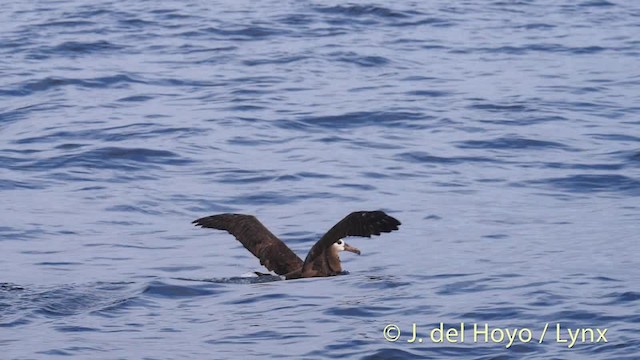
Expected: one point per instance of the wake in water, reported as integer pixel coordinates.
(250, 278)
(255, 277)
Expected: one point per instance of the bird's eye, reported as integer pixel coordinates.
(339, 242)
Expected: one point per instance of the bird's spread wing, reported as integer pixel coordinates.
(273, 253)
(359, 223)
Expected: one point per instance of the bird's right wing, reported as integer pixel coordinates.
(273, 253)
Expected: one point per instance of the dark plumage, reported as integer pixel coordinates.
(322, 259)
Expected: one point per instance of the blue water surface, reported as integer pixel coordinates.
(504, 135)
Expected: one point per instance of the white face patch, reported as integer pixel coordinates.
(338, 245)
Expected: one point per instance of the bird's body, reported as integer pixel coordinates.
(322, 260)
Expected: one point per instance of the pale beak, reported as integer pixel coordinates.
(352, 249)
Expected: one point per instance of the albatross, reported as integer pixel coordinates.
(322, 260)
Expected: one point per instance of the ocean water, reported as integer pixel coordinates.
(504, 135)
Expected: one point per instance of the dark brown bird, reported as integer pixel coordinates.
(322, 259)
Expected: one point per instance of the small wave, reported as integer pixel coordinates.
(21, 303)
(393, 354)
(358, 119)
(76, 48)
(66, 23)
(276, 60)
(510, 108)
(354, 10)
(10, 287)
(511, 143)
(14, 185)
(262, 278)
(259, 299)
(544, 48)
(596, 3)
(360, 60)
(628, 297)
(163, 290)
(108, 134)
(248, 33)
(536, 26)
(33, 86)
(423, 157)
(429, 93)
(129, 159)
(75, 329)
(360, 311)
(559, 165)
(591, 183)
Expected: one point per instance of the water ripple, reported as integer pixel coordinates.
(163, 290)
(511, 143)
(48, 83)
(592, 183)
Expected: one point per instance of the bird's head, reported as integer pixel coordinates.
(341, 245)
